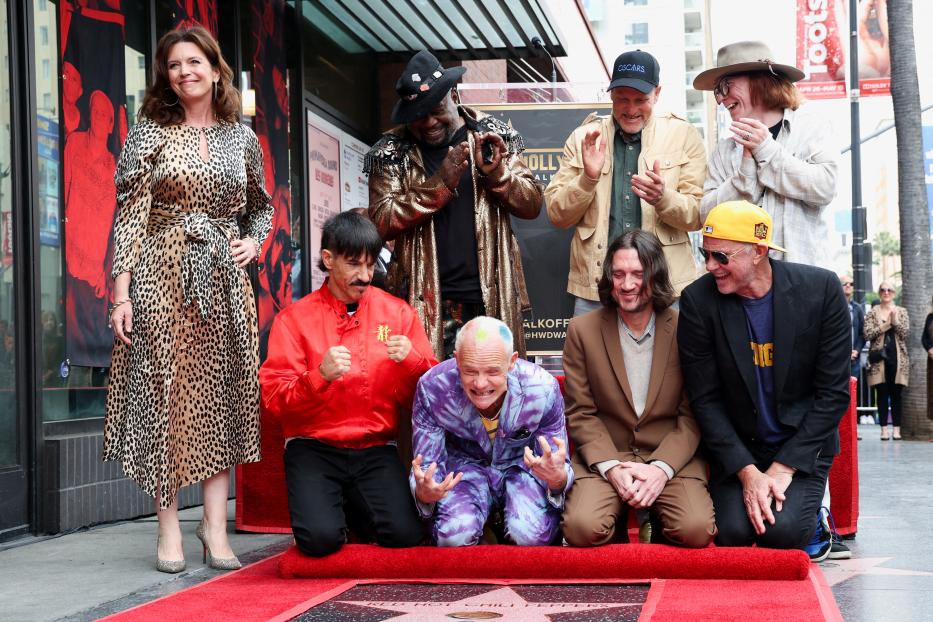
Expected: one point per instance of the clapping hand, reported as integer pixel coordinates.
(594, 154)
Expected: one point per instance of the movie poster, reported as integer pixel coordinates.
(545, 248)
(323, 189)
(95, 126)
(271, 127)
(189, 13)
(823, 44)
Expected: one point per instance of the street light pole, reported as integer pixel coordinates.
(861, 250)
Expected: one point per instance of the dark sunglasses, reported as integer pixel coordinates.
(884, 290)
(720, 257)
(847, 284)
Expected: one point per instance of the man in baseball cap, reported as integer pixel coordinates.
(633, 169)
(764, 349)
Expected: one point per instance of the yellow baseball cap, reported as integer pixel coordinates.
(740, 221)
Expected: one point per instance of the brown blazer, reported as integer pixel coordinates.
(601, 419)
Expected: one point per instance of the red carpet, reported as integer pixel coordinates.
(613, 561)
(257, 594)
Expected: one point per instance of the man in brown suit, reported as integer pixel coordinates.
(627, 415)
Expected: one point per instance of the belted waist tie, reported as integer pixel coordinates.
(207, 248)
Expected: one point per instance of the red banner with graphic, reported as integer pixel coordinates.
(823, 47)
(189, 13)
(271, 127)
(95, 126)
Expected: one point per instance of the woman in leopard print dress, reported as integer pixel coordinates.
(183, 405)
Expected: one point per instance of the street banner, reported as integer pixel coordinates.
(545, 248)
(190, 13)
(823, 48)
(95, 126)
(323, 189)
(277, 257)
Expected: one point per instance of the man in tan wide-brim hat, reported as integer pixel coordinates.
(779, 155)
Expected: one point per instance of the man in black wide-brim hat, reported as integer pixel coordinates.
(443, 185)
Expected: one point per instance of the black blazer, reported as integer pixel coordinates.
(812, 348)
(858, 341)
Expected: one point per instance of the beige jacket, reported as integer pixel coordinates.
(574, 200)
(403, 201)
(874, 330)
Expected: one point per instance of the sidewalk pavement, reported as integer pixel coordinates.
(92, 573)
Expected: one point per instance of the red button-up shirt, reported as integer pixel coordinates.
(361, 408)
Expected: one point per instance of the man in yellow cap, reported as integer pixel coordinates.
(764, 348)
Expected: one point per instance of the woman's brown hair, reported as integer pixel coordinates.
(161, 103)
(771, 91)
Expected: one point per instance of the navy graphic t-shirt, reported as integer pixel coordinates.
(759, 318)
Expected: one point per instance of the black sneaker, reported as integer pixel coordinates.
(838, 550)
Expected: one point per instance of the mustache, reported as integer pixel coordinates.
(359, 283)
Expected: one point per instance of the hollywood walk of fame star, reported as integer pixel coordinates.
(499, 604)
(842, 569)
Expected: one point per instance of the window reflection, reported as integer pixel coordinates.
(73, 391)
(8, 420)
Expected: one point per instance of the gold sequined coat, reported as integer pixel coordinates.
(402, 203)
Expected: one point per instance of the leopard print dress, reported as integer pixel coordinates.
(183, 402)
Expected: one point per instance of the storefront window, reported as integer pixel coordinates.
(101, 59)
(8, 420)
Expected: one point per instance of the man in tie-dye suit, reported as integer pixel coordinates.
(491, 429)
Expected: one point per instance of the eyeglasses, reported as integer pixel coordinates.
(720, 257)
(885, 290)
(721, 90)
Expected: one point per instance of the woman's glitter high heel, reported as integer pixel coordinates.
(225, 563)
(171, 566)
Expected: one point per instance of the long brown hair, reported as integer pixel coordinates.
(656, 282)
(771, 91)
(161, 104)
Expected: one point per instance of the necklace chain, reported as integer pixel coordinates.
(495, 416)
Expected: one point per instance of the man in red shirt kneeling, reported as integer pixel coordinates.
(342, 367)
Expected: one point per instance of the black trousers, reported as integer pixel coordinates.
(327, 485)
(454, 315)
(793, 525)
(893, 391)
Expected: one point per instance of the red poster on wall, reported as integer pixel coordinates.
(189, 13)
(95, 126)
(823, 47)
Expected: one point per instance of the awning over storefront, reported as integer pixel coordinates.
(453, 29)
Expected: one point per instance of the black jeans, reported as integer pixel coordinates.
(794, 524)
(369, 483)
(884, 391)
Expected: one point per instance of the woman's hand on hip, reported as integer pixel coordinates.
(244, 251)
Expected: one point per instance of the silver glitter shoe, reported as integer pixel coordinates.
(171, 566)
(225, 563)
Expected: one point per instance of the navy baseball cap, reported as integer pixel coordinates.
(638, 70)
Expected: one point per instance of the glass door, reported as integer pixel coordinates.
(14, 516)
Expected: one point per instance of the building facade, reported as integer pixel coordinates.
(318, 82)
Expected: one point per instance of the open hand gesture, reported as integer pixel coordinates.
(453, 165)
(426, 489)
(594, 154)
(549, 466)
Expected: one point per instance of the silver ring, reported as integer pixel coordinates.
(748, 136)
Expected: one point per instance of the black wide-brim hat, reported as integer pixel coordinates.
(423, 83)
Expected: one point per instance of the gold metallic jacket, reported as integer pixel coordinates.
(403, 200)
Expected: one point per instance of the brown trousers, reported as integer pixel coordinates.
(594, 511)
